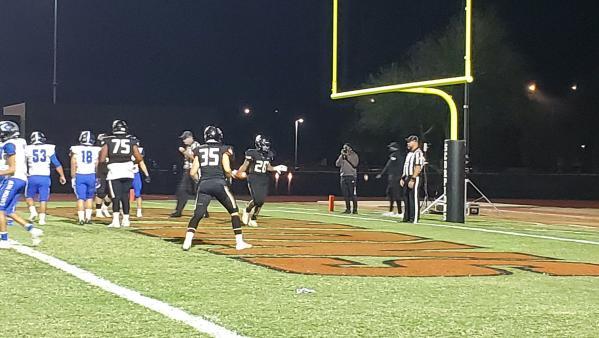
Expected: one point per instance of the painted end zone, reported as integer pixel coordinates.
(314, 248)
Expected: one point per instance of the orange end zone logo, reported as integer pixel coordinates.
(339, 250)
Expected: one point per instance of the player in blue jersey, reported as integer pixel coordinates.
(137, 184)
(84, 162)
(39, 157)
(15, 173)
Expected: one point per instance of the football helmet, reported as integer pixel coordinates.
(37, 137)
(213, 134)
(86, 138)
(262, 143)
(119, 127)
(8, 130)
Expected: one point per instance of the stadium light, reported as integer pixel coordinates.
(532, 87)
(574, 87)
(247, 111)
(297, 123)
(372, 100)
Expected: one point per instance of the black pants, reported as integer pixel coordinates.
(215, 188)
(258, 187)
(412, 201)
(348, 188)
(119, 192)
(185, 189)
(101, 187)
(394, 192)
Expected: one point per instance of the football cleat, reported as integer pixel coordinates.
(245, 218)
(188, 240)
(36, 232)
(242, 245)
(99, 213)
(114, 225)
(5, 245)
(126, 223)
(253, 223)
(389, 214)
(81, 222)
(139, 214)
(105, 211)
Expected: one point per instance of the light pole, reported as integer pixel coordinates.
(297, 123)
(54, 82)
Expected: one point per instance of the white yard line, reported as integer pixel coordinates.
(502, 232)
(198, 323)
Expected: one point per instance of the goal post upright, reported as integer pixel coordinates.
(454, 158)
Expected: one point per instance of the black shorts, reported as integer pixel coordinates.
(394, 189)
(258, 187)
(218, 189)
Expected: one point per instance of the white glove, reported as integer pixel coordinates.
(280, 168)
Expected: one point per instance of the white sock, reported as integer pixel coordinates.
(32, 210)
(115, 218)
(88, 213)
(42, 217)
(81, 215)
(239, 238)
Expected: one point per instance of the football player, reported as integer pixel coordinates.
(258, 164)
(15, 173)
(102, 198)
(84, 162)
(137, 182)
(119, 149)
(39, 157)
(212, 167)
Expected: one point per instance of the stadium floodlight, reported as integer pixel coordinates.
(532, 87)
(296, 124)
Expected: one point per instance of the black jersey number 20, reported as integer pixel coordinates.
(209, 157)
(121, 146)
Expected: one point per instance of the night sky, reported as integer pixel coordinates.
(266, 54)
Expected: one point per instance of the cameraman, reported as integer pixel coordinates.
(347, 162)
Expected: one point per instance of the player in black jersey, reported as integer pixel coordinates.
(212, 167)
(258, 166)
(119, 149)
(102, 199)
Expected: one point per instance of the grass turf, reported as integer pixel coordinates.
(259, 302)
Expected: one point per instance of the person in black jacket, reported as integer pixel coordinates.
(393, 169)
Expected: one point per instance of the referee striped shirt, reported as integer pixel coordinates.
(413, 159)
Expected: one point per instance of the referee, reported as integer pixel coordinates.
(186, 186)
(410, 179)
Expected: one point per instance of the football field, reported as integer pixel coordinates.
(522, 272)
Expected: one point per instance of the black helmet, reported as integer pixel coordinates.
(214, 134)
(119, 127)
(8, 130)
(393, 146)
(262, 143)
(100, 139)
(87, 138)
(37, 137)
(134, 140)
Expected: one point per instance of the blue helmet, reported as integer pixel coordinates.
(87, 138)
(8, 130)
(37, 137)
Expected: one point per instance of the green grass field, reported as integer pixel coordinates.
(39, 300)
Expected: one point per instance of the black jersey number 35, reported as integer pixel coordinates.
(121, 146)
(209, 157)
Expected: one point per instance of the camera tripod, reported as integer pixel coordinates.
(442, 199)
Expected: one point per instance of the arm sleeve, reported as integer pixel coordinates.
(55, 161)
(339, 160)
(9, 149)
(419, 159)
